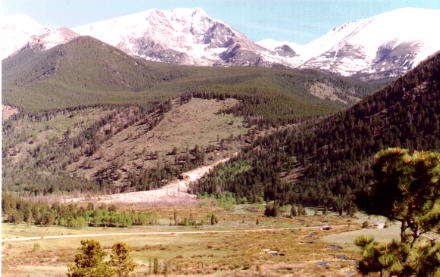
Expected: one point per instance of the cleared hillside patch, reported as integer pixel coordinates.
(196, 124)
(8, 111)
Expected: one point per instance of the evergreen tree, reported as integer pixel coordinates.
(90, 261)
(121, 261)
(406, 188)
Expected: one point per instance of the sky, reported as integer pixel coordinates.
(298, 21)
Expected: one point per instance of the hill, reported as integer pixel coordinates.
(83, 71)
(328, 162)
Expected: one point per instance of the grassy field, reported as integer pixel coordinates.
(381, 235)
(298, 251)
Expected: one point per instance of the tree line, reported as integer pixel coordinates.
(18, 210)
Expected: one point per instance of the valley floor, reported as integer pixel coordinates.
(236, 246)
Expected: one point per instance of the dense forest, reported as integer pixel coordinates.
(328, 162)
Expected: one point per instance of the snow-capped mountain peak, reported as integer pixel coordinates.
(183, 36)
(387, 45)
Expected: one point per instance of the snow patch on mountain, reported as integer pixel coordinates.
(53, 38)
(16, 31)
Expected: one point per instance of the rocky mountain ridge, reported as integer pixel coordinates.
(381, 47)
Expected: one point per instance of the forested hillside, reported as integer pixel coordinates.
(328, 162)
(86, 71)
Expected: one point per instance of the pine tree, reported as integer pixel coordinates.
(156, 266)
(120, 260)
(406, 189)
(90, 261)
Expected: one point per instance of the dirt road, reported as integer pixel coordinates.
(165, 233)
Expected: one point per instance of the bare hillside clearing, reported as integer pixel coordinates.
(8, 111)
(138, 147)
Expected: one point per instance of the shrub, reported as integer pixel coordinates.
(293, 211)
(36, 247)
(272, 209)
(365, 224)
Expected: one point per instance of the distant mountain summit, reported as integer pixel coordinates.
(380, 47)
(383, 46)
(52, 38)
(179, 36)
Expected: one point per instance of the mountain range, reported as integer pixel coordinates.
(381, 47)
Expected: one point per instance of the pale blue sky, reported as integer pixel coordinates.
(294, 20)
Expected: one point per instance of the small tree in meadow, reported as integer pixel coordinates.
(90, 261)
(121, 261)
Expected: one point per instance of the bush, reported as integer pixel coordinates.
(36, 247)
(272, 209)
(293, 211)
(365, 224)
